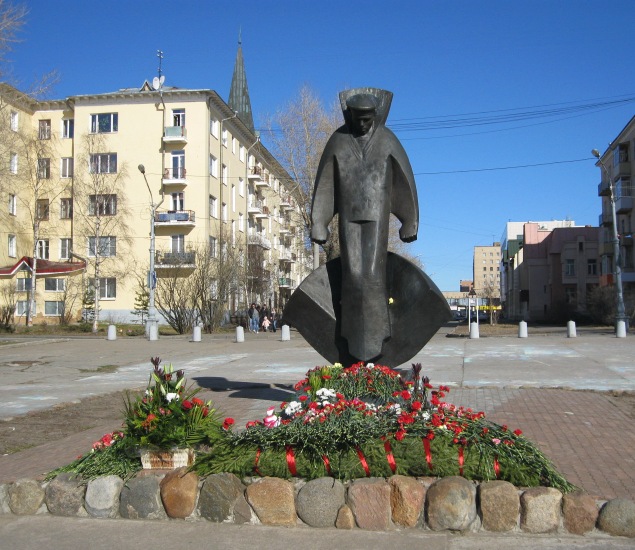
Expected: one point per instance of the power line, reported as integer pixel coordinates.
(502, 167)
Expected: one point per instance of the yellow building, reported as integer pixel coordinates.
(75, 198)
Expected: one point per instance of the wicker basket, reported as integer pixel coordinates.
(166, 460)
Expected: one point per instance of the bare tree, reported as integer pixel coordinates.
(8, 295)
(100, 211)
(70, 297)
(174, 299)
(491, 293)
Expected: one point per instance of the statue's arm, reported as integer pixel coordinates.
(405, 205)
(323, 207)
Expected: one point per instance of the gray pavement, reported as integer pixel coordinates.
(540, 384)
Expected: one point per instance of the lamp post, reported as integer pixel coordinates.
(620, 317)
(152, 324)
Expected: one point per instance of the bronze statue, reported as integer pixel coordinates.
(345, 308)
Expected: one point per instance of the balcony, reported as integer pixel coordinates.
(622, 169)
(254, 206)
(603, 189)
(285, 282)
(255, 175)
(174, 176)
(259, 240)
(286, 257)
(605, 248)
(175, 218)
(175, 260)
(286, 202)
(623, 205)
(605, 219)
(175, 134)
(284, 231)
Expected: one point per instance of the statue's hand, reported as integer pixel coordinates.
(409, 239)
(408, 234)
(319, 236)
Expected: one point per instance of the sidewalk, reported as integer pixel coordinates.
(543, 385)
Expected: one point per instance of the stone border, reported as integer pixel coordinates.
(378, 504)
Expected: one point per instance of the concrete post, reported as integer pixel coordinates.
(196, 334)
(522, 329)
(621, 329)
(474, 333)
(154, 332)
(240, 334)
(571, 333)
(286, 333)
(112, 332)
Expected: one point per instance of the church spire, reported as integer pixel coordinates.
(239, 93)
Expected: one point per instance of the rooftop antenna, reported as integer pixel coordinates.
(157, 81)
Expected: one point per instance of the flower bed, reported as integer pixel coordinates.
(361, 421)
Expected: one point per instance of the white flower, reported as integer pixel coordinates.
(370, 365)
(325, 393)
(425, 415)
(396, 408)
(292, 408)
(169, 397)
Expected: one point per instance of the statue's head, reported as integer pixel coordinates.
(362, 109)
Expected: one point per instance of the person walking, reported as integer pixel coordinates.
(254, 318)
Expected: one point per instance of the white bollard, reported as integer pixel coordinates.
(522, 329)
(240, 334)
(196, 334)
(153, 335)
(621, 329)
(474, 330)
(112, 332)
(286, 333)
(571, 333)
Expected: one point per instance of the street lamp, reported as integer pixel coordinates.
(152, 324)
(621, 312)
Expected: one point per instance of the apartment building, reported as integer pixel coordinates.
(486, 271)
(616, 170)
(73, 174)
(548, 269)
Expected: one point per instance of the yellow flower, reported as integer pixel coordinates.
(390, 300)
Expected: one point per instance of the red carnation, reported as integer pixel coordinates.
(518, 432)
(228, 423)
(400, 434)
(198, 402)
(187, 405)
(416, 405)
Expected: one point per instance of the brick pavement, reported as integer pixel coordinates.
(587, 437)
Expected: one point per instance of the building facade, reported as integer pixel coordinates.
(548, 270)
(73, 193)
(486, 271)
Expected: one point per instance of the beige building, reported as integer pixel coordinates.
(486, 271)
(73, 197)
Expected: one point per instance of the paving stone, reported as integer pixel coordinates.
(319, 501)
(4, 499)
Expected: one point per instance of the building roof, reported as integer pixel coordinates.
(239, 100)
(44, 267)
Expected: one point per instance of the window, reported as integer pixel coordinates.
(43, 169)
(233, 198)
(105, 163)
(107, 288)
(241, 187)
(22, 306)
(213, 166)
(213, 207)
(623, 188)
(42, 209)
(44, 129)
(241, 153)
(107, 246)
(212, 247)
(178, 117)
(569, 268)
(54, 308)
(23, 284)
(233, 232)
(213, 127)
(13, 204)
(592, 267)
(54, 284)
(224, 212)
(104, 123)
(102, 205)
(68, 128)
(43, 249)
(13, 163)
(234, 141)
(178, 164)
(66, 168)
(225, 174)
(66, 209)
(224, 140)
(14, 121)
(178, 201)
(65, 248)
(241, 222)
(178, 243)
(12, 246)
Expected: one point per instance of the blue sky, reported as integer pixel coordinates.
(515, 83)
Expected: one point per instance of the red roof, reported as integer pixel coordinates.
(44, 267)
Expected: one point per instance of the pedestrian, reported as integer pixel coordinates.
(265, 324)
(254, 318)
(274, 321)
